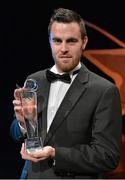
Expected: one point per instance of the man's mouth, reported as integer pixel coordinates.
(65, 57)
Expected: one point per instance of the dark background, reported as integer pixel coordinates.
(24, 49)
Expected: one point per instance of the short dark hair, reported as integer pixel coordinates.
(67, 16)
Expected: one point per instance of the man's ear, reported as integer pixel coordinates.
(85, 41)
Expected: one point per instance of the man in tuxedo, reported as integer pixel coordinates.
(79, 112)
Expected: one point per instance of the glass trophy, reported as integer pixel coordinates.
(29, 107)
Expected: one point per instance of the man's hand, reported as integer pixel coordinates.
(39, 155)
(18, 106)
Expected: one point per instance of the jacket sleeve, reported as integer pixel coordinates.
(102, 153)
(15, 131)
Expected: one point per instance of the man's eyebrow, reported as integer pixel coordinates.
(73, 39)
(56, 38)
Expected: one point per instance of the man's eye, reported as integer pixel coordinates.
(72, 41)
(57, 41)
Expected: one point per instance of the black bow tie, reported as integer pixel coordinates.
(51, 77)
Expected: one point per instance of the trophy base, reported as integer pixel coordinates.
(33, 144)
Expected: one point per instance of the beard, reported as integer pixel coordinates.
(66, 65)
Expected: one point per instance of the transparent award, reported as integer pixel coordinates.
(29, 106)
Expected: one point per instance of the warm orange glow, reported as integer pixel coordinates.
(110, 61)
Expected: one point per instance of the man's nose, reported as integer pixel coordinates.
(64, 47)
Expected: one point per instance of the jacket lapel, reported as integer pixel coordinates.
(72, 96)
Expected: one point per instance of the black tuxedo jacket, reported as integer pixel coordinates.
(86, 130)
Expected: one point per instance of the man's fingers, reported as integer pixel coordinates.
(17, 93)
(16, 102)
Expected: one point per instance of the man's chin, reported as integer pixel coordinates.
(67, 69)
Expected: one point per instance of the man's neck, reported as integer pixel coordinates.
(55, 69)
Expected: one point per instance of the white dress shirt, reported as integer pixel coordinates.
(57, 92)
